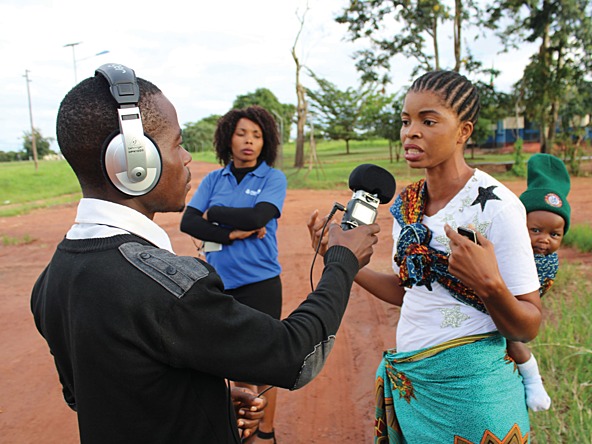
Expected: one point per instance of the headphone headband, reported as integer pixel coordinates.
(122, 83)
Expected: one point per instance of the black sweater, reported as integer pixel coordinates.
(143, 339)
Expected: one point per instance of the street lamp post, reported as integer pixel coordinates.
(75, 61)
(73, 45)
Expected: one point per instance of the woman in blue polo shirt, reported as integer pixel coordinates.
(235, 211)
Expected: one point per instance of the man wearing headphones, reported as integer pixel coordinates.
(144, 340)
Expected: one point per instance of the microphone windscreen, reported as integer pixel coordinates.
(374, 180)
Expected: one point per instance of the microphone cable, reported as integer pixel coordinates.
(336, 206)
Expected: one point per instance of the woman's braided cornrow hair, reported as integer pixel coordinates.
(455, 89)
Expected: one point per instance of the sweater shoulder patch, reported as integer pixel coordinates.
(175, 273)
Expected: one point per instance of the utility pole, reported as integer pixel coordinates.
(33, 141)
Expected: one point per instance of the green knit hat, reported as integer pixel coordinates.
(547, 186)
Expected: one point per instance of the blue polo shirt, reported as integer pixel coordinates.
(250, 260)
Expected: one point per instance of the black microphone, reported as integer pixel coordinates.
(372, 185)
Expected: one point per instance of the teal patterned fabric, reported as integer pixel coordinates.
(465, 392)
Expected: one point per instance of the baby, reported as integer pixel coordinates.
(547, 218)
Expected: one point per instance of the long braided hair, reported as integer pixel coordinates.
(455, 89)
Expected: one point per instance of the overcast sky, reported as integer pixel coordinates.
(202, 55)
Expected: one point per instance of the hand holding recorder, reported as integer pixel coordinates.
(360, 241)
(472, 259)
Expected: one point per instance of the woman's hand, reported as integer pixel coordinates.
(475, 264)
(315, 226)
(517, 317)
(241, 234)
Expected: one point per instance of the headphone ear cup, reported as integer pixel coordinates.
(115, 166)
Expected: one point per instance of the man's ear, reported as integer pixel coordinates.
(465, 131)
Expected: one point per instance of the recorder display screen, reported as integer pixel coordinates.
(363, 213)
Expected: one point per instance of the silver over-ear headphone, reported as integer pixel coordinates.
(131, 159)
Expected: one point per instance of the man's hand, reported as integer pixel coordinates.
(359, 240)
(249, 409)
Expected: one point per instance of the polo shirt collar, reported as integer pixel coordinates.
(260, 171)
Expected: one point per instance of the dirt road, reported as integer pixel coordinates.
(336, 407)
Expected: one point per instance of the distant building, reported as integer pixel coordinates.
(510, 128)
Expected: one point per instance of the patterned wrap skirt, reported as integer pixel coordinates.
(466, 390)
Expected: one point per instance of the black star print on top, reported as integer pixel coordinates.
(485, 194)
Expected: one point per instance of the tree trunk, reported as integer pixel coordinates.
(555, 102)
(390, 151)
(435, 40)
(544, 60)
(457, 34)
(301, 111)
(543, 136)
(551, 129)
(301, 107)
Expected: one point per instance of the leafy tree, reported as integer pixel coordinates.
(266, 99)
(382, 118)
(563, 30)
(576, 107)
(418, 27)
(574, 122)
(10, 156)
(338, 113)
(199, 136)
(42, 144)
(495, 105)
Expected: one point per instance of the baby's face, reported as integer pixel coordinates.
(545, 230)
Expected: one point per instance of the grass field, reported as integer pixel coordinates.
(563, 349)
(332, 166)
(24, 188)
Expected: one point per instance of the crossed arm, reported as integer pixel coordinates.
(244, 222)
